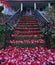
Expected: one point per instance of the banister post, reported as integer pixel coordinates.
(21, 6)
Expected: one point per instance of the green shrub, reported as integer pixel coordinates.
(1, 8)
(53, 3)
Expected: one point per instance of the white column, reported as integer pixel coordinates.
(34, 5)
(21, 6)
(49, 5)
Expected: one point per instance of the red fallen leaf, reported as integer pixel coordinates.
(39, 35)
(12, 63)
(17, 41)
(38, 41)
(43, 55)
(54, 16)
(35, 63)
(14, 35)
(53, 27)
(16, 30)
(11, 41)
(41, 41)
(21, 41)
(32, 41)
(54, 63)
(4, 63)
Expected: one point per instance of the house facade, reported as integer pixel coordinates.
(32, 4)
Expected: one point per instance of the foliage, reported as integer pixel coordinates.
(53, 2)
(2, 27)
(1, 8)
(2, 35)
(53, 35)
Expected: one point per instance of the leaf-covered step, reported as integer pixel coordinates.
(34, 35)
(27, 23)
(42, 41)
(29, 32)
(27, 29)
(28, 26)
(28, 45)
(26, 38)
(27, 19)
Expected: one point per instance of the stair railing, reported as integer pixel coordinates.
(10, 25)
(43, 20)
(40, 17)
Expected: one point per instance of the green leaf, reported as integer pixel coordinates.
(1, 8)
(53, 35)
(12, 28)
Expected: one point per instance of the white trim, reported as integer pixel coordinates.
(34, 5)
(21, 6)
(49, 5)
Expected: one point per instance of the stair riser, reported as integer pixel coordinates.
(27, 32)
(34, 35)
(31, 29)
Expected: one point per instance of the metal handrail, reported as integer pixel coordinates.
(11, 17)
(43, 17)
(47, 32)
(40, 17)
(14, 18)
(8, 25)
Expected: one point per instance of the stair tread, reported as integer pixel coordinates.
(27, 30)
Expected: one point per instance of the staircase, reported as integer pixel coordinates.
(27, 31)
